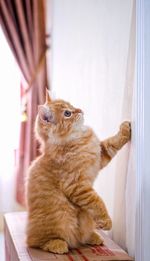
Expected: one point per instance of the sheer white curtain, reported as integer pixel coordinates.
(9, 125)
(92, 66)
(125, 186)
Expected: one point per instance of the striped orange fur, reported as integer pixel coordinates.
(63, 208)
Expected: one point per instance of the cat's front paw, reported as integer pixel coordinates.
(105, 224)
(125, 130)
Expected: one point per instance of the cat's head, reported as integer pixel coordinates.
(58, 120)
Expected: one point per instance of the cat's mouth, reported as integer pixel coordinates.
(80, 116)
(79, 121)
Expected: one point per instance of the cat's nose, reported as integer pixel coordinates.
(78, 111)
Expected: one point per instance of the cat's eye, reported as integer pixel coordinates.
(67, 113)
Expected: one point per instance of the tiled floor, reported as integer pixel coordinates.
(2, 258)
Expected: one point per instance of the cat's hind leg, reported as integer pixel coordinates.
(57, 246)
(95, 239)
(87, 230)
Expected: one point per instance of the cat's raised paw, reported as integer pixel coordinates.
(56, 246)
(125, 129)
(95, 239)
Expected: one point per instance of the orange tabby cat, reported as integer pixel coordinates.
(63, 208)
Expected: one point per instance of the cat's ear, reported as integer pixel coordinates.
(45, 114)
(48, 98)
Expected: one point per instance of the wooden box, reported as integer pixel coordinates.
(16, 249)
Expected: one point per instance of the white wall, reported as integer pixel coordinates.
(90, 41)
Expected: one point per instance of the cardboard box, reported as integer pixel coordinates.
(16, 249)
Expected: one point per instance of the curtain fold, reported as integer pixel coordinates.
(23, 23)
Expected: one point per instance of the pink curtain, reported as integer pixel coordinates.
(23, 22)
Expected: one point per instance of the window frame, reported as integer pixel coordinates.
(142, 130)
